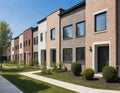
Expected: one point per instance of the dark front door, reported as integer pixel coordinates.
(43, 56)
(53, 56)
(103, 57)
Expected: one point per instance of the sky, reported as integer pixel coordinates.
(22, 14)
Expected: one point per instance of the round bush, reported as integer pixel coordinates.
(76, 68)
(88, 73)
(109, 73)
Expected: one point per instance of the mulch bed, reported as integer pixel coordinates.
(95, 80)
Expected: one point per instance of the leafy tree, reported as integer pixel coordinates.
(5, 38)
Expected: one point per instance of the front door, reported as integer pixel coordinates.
(53, 56)
(103, 57)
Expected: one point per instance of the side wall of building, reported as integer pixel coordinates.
(42, 28)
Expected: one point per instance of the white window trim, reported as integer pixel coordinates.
(101, 11)
(93, 53)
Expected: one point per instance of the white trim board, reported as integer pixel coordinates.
(93, 52)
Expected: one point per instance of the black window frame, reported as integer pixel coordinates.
(84, 29)
(80, 54)
(51, 37)
(68, 61)
(63, 32)
(95, 21)
(41, 37)
(35, 40)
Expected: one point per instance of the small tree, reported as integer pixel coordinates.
(5, 38)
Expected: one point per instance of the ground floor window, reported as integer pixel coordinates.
(80, 54)
(35, 55)
(67, 55)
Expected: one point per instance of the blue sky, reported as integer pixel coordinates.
(22, 14)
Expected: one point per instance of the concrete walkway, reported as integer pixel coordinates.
(69, 86)
(7, 87)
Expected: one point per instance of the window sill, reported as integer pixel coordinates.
(67, 38)
(67, 62)
(80, 36)
(104, 31)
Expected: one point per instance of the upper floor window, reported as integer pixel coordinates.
(53, 34)
(100, 22)
(80, 29)
(35, 40)
(41, 36)
(26, 42)
(67, 32)
(12, 48)
(29, 42)
(20, 45)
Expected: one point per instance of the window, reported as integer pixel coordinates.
(20, 45)
(67, 55)
(26, 42)
(35, 40)
(80, 54)
(36, 56)
(53, 34)
(29, 42)
(41, 36)
(12, 48)
(80, 29)
(67, 32)
(100, 22)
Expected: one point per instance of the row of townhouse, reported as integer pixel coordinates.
(87, 32)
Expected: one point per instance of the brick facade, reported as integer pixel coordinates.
(94, 7)
(27, 44)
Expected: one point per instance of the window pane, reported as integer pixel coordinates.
(67, 55)
(35, 55)
(80, 29)
(67, 32)
(100, 22)
(52, 34)
(35, 40)
(80, 54)
(41, 37)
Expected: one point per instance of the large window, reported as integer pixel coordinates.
(80, 29)
(67, 32)
(41, 36)
(53, 34)
(80, 54)
(100, 22)
(67, 55)
(35, 40)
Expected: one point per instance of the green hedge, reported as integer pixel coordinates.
(109, 73)
(88, 73)
(76, 68)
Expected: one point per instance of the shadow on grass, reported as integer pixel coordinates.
(27, 85)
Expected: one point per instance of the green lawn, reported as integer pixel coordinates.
(29, 85)
(68, 77)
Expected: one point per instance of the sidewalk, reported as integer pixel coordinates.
(7, 87)
(69, 86)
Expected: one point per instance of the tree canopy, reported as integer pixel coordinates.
(5, 37)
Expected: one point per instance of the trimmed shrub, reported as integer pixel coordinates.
(88, 73)
(76, 68)
(109, 74)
